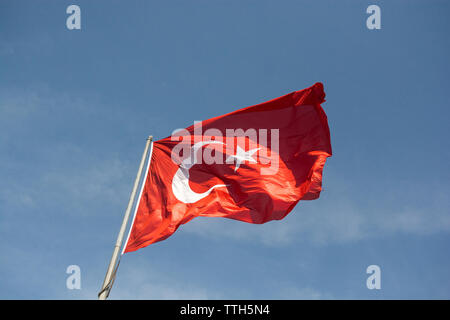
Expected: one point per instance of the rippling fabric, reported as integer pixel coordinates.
(292, 131)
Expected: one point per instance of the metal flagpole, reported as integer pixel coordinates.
(113, 265)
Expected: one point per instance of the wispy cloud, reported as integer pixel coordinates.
(42, 163)
(295, 293)
(147, 283)
(338, 217)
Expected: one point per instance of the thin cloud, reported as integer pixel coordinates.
(337, 217)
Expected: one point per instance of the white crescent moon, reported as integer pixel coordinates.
(180, 181)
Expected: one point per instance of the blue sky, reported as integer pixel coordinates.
(76, 108)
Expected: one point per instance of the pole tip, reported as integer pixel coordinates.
(150, 138)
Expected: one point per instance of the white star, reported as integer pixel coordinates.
(241, 156)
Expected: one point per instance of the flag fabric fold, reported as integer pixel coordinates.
(252, 165)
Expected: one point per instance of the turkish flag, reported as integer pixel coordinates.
(251, 165)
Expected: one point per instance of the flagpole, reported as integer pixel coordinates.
(112, 268)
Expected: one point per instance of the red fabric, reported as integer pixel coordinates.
(304, 145)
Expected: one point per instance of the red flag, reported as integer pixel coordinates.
(252, 165)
